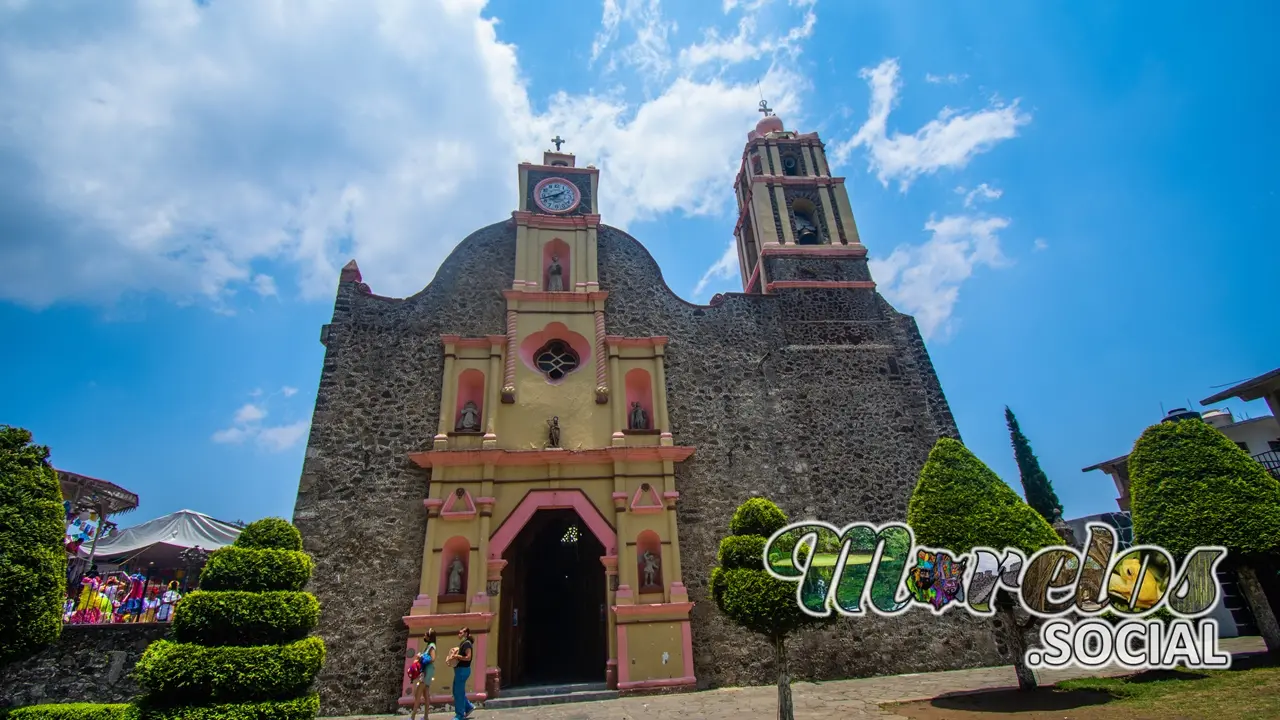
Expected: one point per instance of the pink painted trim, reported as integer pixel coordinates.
(439, 699)
(610, 563)
(422, 601)
(601, 350)
(755, 278)
(410, 646)
(840, 284)
(655, 341)
(624, 656)
(509, 371)
(577, 196)
(686, 640)
(432, 503)
(449, 513)
(547, 500)
(773, 250)
(488, 341)
(663, 683)
(495, 569)
(650, 609)
(652, 494)
(449, 621)
(567, 296)
(672, 495)
(560, 168)
(796, 180)
(555, 222)
(499, 456)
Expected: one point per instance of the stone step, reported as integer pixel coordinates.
(550, 695)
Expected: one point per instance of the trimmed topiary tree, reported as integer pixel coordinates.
(753, 599)
(33, 563)
(959, 504)
(1191, 486)
(1036, 487)
(240, 648)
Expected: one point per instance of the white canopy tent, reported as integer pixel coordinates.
(160, 541)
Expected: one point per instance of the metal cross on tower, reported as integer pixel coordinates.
(764, 108)
(558, 141)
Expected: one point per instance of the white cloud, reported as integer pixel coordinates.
(1041, 244)
(950, 140)
(982, 192)
(746, 44)
(726, 268)
(264, 285)
(283, 437)
(924, 280)
(180, 149)
(247, 424)
(249, 413)
(948, 79)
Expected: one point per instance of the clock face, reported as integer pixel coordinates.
(556, 195)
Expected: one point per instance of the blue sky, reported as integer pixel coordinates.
(1074, 201)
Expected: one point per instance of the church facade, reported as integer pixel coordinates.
(545, 445)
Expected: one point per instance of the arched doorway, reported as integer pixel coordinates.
(554, 621)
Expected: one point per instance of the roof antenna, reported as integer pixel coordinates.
(1162, 412)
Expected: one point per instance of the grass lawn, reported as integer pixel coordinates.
(1250, 691)
(829, 560)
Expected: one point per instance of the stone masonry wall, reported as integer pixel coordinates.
(813, 421)
(791, 396)
(89, 663)
(359, 504)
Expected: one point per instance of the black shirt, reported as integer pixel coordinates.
(463, 649)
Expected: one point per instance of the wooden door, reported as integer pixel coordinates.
(510, 626)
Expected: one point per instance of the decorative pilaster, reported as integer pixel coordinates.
(509, 373)
(602, 359)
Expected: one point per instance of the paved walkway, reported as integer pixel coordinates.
(838, 698)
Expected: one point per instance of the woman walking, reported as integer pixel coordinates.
(460, 658)
(425, 664)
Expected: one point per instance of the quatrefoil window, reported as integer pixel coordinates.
(556, 359)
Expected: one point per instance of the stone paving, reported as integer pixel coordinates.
(839, 698)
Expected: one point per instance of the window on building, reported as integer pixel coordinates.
(1243, 446)
(556, 359)
(1273, 445)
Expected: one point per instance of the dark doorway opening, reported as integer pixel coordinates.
(554, 613)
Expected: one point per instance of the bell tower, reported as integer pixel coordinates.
(792, 213)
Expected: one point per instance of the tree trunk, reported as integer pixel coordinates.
(786, 710)
(1261, 608)
(1018, 648)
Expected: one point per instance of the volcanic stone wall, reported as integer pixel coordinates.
(88, 663)
(823, 400)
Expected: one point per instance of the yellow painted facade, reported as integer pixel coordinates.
(494, 463)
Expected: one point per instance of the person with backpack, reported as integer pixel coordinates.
(422, 672)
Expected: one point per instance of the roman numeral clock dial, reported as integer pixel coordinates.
(556, 195)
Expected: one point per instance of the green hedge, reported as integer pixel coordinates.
(72, 711)
(756, 601)
(177, 673)
(1190, 485)
(270, 534)
(233, 617)
(302, 708)
(256, 570)
(33, 564)
(742, 552)
(757, 516)
(959, 504)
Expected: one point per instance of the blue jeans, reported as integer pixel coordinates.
(461, 705)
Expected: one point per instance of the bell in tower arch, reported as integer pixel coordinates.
(807, 232)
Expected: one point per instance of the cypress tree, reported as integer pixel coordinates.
(1036, 487)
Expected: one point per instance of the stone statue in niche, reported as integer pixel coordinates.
(555, 275)
(456, 571)
(806, 231)
(469, 418)
(639, 419)
(651, 565)
(553, 432)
